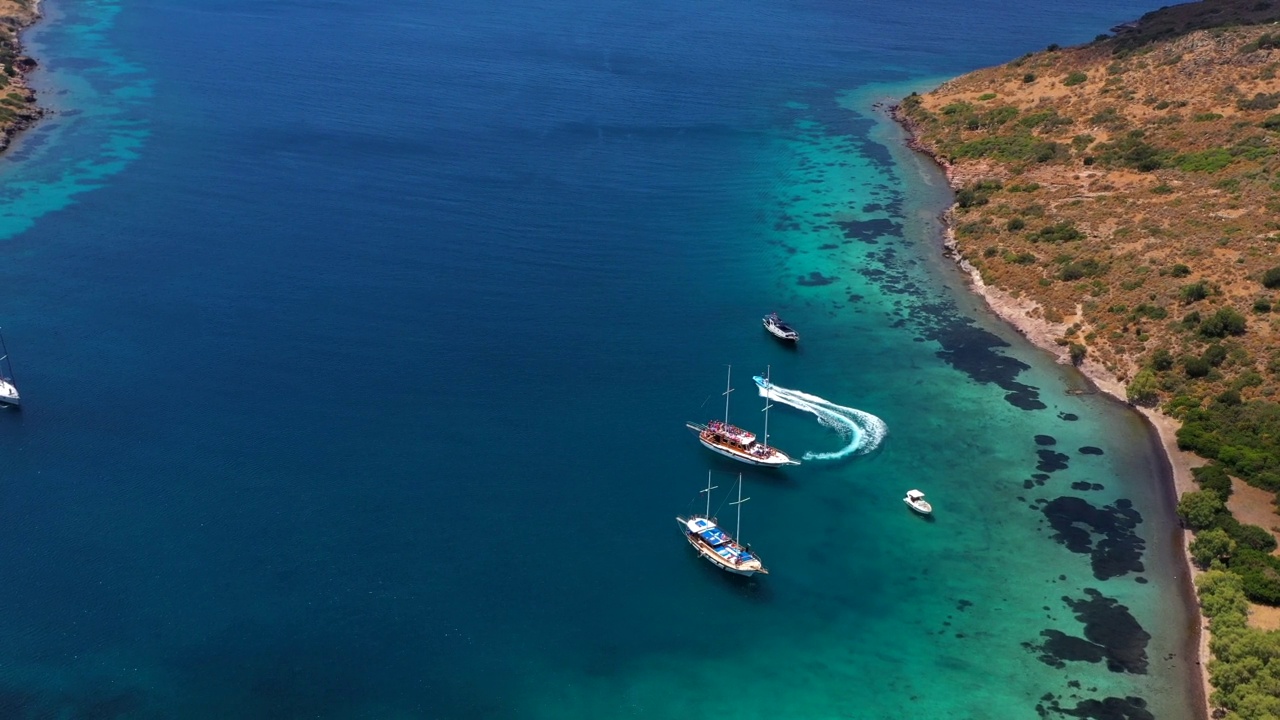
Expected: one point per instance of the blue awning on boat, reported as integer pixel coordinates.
(714, 536)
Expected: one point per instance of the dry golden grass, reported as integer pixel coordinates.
(1180, 93)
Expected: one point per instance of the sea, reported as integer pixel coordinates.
(357, 340)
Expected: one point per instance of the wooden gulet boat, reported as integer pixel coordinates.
(718, 547)
(734, 442)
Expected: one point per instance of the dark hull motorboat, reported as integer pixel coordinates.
(779, 329)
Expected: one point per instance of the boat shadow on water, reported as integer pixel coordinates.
(750, 588)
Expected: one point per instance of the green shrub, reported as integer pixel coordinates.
(1109, 117)
(1255, 538)
(1271, 278)
(1214, 478)
(1198, 509)
(1206, 117)
(1029, 78)
(1077, 353)
(1161, 360)
(1215, 354)
(1074, 78)
(1207, 161)
(1179, 270)
(1212, 544)
(1144, 389)
(1195, 367)
(1260, 101)
(1132, 151)
(1272, 122)
(1010, 148)
(1223, 323)
(1154, 312)
(1262, 306)
(1194, 292)
(1228, 397)
(978, 193)
(1060, 232)
(1088, 267)
(1244, 438)
(1015, 224)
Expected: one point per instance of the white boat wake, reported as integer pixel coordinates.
(863, 430)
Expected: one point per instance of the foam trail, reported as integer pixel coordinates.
(863, 430)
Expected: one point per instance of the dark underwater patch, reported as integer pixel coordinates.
(1075, 521)
(1046, 440)
(1112, 708)
(1090, 450)
(1060, 648)
(815, 279)
(1069, 417)
(869, 231)
(1051, 461)
(972, 351)
(1111, 634)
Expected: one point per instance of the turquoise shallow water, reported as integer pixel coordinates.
(357, 342)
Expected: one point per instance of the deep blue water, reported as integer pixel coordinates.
(357, 340)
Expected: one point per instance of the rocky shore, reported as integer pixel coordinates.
(18, 107)
(1028, 318)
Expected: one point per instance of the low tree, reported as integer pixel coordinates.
(1145, 389)
(1077, 352)
(1213, 477)
(1198, 509)
(1212, 544)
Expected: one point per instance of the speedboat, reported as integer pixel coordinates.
(779, 329)
(915, 500)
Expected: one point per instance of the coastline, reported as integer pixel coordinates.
(15, 17)
(1026, 316)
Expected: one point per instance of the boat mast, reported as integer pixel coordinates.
(727, 390)
(710, 487)
(5, 357)
(737, 532)
(767, 385)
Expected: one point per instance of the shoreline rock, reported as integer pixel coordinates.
(1027, 317)
(15, 17)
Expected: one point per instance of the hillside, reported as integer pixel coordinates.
(18, 109)
(1131, 189)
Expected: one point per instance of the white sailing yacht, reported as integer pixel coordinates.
(721, 549)
(8, 391)
(734, 442)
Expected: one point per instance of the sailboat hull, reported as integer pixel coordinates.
(715, 559)
(711, 557)
(746, 457)
(9, 394)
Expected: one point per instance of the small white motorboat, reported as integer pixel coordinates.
(915, 500)
(779, 329)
